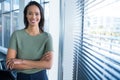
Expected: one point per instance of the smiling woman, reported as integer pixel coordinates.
(30, 51)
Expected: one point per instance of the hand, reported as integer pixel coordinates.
(11, 62)
(46, 56)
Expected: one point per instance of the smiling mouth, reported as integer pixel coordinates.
(33, 21)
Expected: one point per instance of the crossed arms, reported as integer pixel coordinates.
(13, 63)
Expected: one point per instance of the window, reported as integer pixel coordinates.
(6, 29)
(46, 12)
(15, 4)
(9, 10)
(15, 21)
(97, 41)
(7, 5)
(0, 30)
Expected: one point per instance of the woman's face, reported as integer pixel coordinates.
(33, 15)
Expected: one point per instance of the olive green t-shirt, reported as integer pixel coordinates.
(30, 47)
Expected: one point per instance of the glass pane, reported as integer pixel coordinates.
(46, 17)
(6, 29)
(36, 1)
(15, 21)
(104, 27)
(0, 30)
(15, 4)
(7, 5)
(101, 38)
(0, 9)
(47, 0)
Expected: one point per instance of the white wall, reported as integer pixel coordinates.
(54, 30)
(66, 24)
(68, 40)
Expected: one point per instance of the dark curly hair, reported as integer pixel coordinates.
(41, 23)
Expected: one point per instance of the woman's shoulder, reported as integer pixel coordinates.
(18, 31)
(47, 34)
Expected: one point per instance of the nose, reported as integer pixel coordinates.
(33, 16)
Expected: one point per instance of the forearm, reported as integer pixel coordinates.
(21, 67)
(28, 64)
(13, 63)
(42, 64)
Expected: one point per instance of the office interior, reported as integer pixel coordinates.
(86, 36)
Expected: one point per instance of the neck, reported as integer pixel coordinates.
(33, 31)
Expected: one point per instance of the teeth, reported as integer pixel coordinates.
(32, 21)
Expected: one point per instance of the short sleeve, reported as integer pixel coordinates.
(49, 44)
(13, 41)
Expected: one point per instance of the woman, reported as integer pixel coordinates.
(30, 49)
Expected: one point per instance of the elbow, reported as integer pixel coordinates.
(49, 66)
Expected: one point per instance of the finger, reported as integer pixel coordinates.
(47, 57)
(11, 66)
(9, 63)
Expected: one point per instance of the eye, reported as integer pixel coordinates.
(29, 13)
(36, 14)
